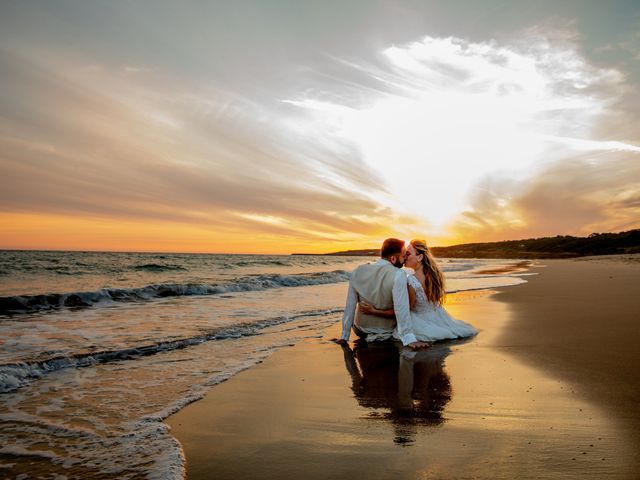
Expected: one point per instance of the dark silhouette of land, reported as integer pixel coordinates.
(561, 246)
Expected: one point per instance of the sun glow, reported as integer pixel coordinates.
(450, 113)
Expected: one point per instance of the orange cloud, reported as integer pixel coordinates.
(596, 192)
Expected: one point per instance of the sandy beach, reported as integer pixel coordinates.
(548, 389)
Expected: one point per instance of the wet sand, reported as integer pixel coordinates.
(546, 390)
(579, 321)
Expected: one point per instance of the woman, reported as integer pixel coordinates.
(430, 321)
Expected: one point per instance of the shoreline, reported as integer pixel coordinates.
(498, 405)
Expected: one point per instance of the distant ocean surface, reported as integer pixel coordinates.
(96, 349)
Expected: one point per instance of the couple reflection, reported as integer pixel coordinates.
(410, 387)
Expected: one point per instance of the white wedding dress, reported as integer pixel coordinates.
(431, 322)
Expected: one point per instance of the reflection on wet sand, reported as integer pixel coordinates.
(408, 388)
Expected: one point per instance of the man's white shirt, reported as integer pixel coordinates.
(404, 330)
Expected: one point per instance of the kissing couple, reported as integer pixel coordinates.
(384, 301)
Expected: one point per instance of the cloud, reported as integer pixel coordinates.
(439, 115)
(594, 192)
(97, 142)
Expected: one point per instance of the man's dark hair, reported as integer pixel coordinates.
(390, 247)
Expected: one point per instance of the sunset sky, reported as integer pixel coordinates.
(288, 126)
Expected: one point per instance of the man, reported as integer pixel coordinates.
(384, 285)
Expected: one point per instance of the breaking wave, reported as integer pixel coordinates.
(157, 267)
(37, 303)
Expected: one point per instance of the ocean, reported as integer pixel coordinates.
(98, 348)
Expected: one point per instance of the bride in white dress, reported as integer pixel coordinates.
(430, 321)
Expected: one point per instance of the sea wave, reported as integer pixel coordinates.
(37, 303)
(157, 267)
(247, 263)
(18, 374)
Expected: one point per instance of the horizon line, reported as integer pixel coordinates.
(2, 249)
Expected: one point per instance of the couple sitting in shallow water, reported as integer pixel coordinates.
(384, 302)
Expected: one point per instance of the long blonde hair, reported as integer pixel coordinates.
(434, 281)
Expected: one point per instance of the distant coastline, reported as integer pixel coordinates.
(561, 246)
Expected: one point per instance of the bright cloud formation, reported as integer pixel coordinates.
(450, 113)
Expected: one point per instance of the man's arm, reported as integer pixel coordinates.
(401, 307)
(369, 309)
(349, 313)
